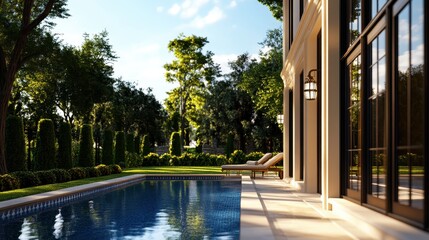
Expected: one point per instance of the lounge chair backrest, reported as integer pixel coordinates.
(277, 158)
(264, 158)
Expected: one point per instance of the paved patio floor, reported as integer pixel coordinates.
(272, 209)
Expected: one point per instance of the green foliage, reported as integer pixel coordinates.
(175, 146)
(275, 6)
(15, 145)
(137, 143)
(86, 149)
(145, 145)
(45, 146)
(65, 160)
(120, 147)
(91, 172)
(199, 147)
(26, 179)
(130, 143)
(61, 175)
(46, 177)
(164, 159)
(104, 170)
(133, 160)
(115, 169)
(229, 148)
(107, 154)
(8, 182)
(152, 159)
(77, 173)
(254, 156)
(238, 157)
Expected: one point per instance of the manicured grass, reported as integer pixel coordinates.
(129, 171)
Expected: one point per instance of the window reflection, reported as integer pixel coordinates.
(376, 6)
(410, 105)
(354, 112)
(377, 117)
(354, 20)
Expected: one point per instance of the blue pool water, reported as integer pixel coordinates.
(160, 209)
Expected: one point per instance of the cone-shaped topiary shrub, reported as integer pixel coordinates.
(145, 145)
(130, 142)
(175, 149)
(45, 146)
(65, 160)
(86, 150)
(137, 143)
(15, 145)
(120, 147)
(107, 154)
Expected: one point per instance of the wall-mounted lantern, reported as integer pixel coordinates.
(310, 86)
(280, 119)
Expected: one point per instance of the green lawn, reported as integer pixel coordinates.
(146, 170)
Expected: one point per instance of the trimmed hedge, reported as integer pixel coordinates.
(61, 175)
(91, 172)
(77, 173)
(120, 147)
(115, 169)
(46, 177)
(86, 149)
(107, 154)
(26, 179)
(104, 170)
(8, 182)
(65, 160)
(238, 157)
(15, 145)
(45, 146)
(175, 148)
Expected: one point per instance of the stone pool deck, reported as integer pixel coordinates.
(272, 209)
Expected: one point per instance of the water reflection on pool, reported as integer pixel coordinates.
(161, 209)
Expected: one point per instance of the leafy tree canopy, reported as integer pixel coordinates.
(275, 6)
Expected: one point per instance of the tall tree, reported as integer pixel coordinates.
(20, 27)
(275, 6)
(192, 69)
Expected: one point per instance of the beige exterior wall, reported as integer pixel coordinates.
(324, 16)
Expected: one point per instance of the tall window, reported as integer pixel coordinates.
(410, 107)
(354, 124)
(377, 116)
(376, 6)
(354, 20)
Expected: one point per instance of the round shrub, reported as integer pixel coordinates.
(8, 182)
(175, 148)
(254, 156)
(174, 161)
(15, 145)
(65, 160)
(45, 146)
(151, 160)
(130, 142)
(238, 157)
(115, 169)
(164, 159)
(103, 169)
(77, 173)
(145, 145)
(27, 179)
(120, 147)
(186, 159)
(221, 160)
(86, 149)
(133, 160)
(107, 154)
(61, 175)
(46, 177)
(92, 172)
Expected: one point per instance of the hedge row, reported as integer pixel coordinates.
(24, 179)
(188, 159)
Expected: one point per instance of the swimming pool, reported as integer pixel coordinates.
(150, 209)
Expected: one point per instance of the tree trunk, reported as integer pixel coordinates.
(4, 100)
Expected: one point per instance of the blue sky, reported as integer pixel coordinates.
(139, 31)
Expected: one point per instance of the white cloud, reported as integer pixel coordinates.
(233, 4)
(215, 15)
(223, 61)
(188, 8)
(174, 10)
(160, 9)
